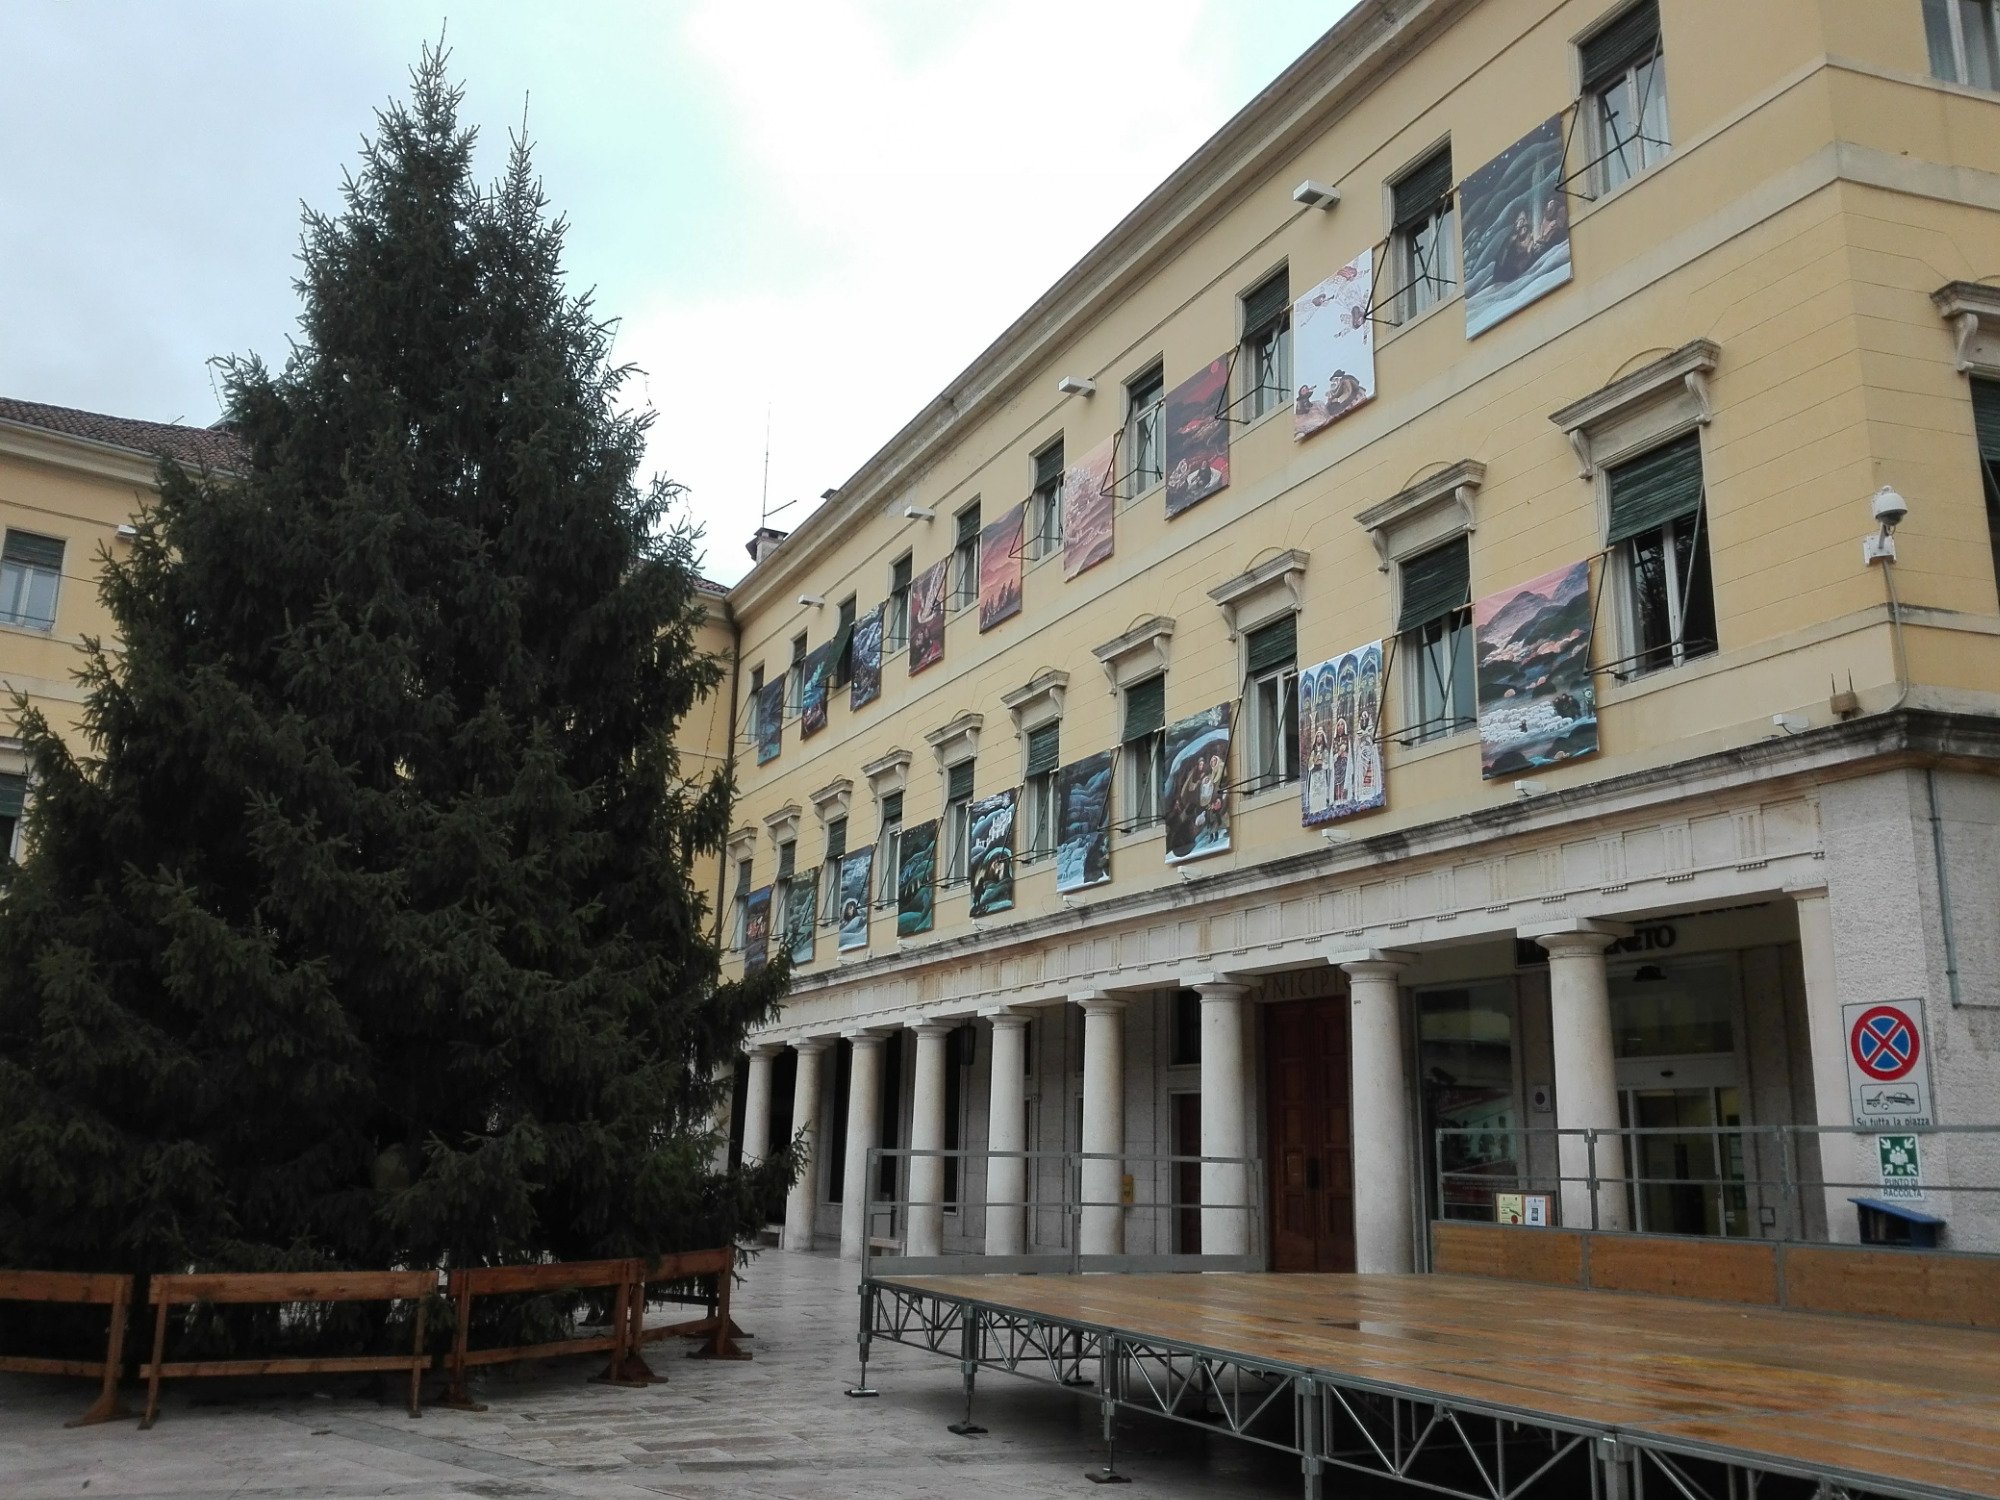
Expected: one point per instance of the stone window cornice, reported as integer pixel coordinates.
(888, 774)
(1139, 653)
(783, 824)
(956, 741)
(1973, 310)
(1039, 702)
(1435, 509)
(1656, 401)
(1261, 593)
(742, 844)
(831, 801)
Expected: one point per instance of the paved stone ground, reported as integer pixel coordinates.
(775, 1426)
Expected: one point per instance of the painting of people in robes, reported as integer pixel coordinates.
(1083, 823)
(1531, 651)
(1000, 547)
(818, 671)
(1197, 456)
(1333, 347)
(864, 682)
(770, 720)
(1088, 506)
(853, 898)
(927, 616)
(801, 913)
(1196, 788)
(1340, 736)
(1516, 219)
(916, 881)
(756, 929)
(989, 861)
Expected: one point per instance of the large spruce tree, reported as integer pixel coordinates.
(365, 931)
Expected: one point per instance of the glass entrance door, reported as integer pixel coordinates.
(1689, 1181)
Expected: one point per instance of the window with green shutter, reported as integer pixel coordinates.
(836, 838)
(1145, 708)
(1435, 583)
(1267, 302)
(1986, 425)
(1653, 489)
(892, 808)
(1629, 38)
(1275, 645)
(1044, 749)
(958, 782)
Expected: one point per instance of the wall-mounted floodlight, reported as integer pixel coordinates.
(1076, 385)
(1316, 195)
(813, 601)
(127, 532)
(1530, 788)
(1334, 837)
(918, 513)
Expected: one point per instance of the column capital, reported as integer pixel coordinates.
(1005, 1016)
(1099, 1002)
(1371, 963)
(1807, 891)
(766, 1049)
(865, 1037)
(934, 1029)
(1585, 935)
(1210, 979)
(807, 1046)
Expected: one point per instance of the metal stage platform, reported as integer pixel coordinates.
(1487, 1388)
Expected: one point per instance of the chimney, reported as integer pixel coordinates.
(765, 542)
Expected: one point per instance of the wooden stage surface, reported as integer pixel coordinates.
(1895, 1401)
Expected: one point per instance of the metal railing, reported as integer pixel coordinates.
(1076, 1220)
(1770, 1181)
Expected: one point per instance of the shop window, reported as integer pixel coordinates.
(957, 821)
(1044, 755)
(1625, 95)
(1145, 432)
(30, 576)
(1144, 749)
(965, 558)
(1659, 536)
(1271, 671)
(1423, 244)
(1434, 621)
(896, 623)
(1045, 509)
(888, 849)
(1466, 1040)
(1265, 357)
(1964, 41)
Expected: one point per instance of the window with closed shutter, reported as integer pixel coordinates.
(1267, 302)
(1044, 749)
(1274, 645)
(1145, 708)
(1049, 465)
(1653, 489)
(1628, 38)
(1986, 425)
(1435, 583)
(1423, 191)
(958, 784)
(836, 838)
(892, 808)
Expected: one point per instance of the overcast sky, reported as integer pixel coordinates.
(823, 208)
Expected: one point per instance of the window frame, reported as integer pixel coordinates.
(795, 676)
(1275, 333)
(896, 625)
(739, 922)
(888, 849)
(1145, 424)
(1953, 18)
(1640, 100)
(1039, 794)
(1045, 500)
(20, 576)
(1143, 764)
(841, 671)
(1407, 236)
(1281, 684)
(1430, 700)
(965, 557)
(1636, 659)
(958, 826)
(829, 900)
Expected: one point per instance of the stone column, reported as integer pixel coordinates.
(925, 1233)
(1379, 1096)
(1586, 1071)
(864, 1134)
(757, 1105)
(1225, 1190)
(1827, 1040)
(803, 1199)
(1103, 1228)
(1007, 1130)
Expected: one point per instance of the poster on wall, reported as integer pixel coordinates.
(770, 720)
(1516, 225)
(756, 929)
(819, 668)
(1088, 503)
(989, 862)
(916, 881)
(853, 909)
(1340, 745)
(927, 616)
(1197, 786)
(1333, 347)
(1531, 653)
(1083, 823)
(864, 683)
(801, 913)
(1197, 456)
(1000, 548)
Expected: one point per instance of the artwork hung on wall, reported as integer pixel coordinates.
(989, 863)
(864, 683)
(854, 870)
(819, 669)
(1531, 651)
(756, 929)
(1000, 547)
(927, 616)
(1197, 456)
(916, 881)
(770, 720)
(1340, 746)
(1088, 502)
(1083, 823)
(1516, 222)
(1196, 792)
(1333, 347)
(801, 913)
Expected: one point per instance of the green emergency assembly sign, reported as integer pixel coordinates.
(1902, 1170)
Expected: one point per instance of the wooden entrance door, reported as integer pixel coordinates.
(1312, 1144)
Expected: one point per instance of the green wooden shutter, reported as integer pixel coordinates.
(1626, 40)
(1274, 645)
(968, 525)
(1417, 196)
(1267, 302)
(959, 787)
(1049, 464)
(1985, 418)
(1145, 707)
(1044, 749)
(33, 551)
(836, 838)
(892, 809)
(1435, 583)
(13, 790)
(1654, 488)
(787, 858)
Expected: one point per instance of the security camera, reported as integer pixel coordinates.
(1889, 509)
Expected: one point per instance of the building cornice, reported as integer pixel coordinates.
(79, 455)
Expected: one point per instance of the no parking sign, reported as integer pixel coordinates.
(1887, 1069)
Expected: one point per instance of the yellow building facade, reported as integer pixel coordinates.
(1489, 428)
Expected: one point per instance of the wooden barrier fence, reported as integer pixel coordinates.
(473, 1282)
(114, 1292)
(718, 1331)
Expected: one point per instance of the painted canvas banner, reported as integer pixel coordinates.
(819, 668)
(916, 881)
(801, 913)
(1088, 502)
(1083, 823)
(756, 929)
(989, 862)
(927, 616)
(1333, 347)
(1197, 786)
(1531, 650)
(1340, 746)
(1000, 547)
(1516, 223)
(770, 720)
(1197, 455)
(864, 684)
(853, 908)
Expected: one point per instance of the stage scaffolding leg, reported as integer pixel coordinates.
(1108, 1388)
(968, 1364)
(1615, 1466)
(1311, 1430)
(862, 1387)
